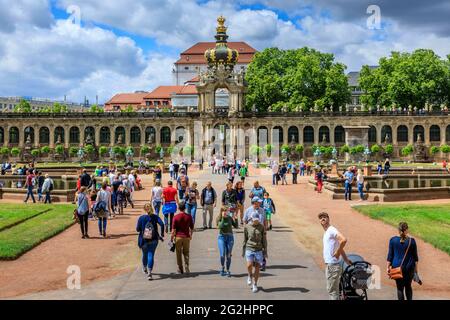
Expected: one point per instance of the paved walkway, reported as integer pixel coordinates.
(291, 273)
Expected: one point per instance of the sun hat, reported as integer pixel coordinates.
(256, 199)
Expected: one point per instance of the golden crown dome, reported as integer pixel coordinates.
(221, 54)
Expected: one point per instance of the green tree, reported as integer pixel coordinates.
(405, 79)
(145, 150)
(158, 148)
(434, 150)
(375, 149)
(45, 149)
(389, 149)
(285, 148)
(35, 153)
(73, 151)
(23, 107)
(406, 151)
(59, 149)
(102, 151)
(299, 149)
(15, 152)
(96, 109)
(296, 79)
(344, 149)
(445, 148)
(128, 109)
(4, 151)
(89, 149)
(255, 150)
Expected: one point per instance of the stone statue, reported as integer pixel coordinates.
(324, 139)
(151, 138)
(387, 139)
(420, 153)
(28, 140)
(89, 139)
(58, 139)
(419, 138)
(292, 138)
(120, 139)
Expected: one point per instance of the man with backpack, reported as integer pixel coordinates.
(183, 227)
(148, 238)
(182, 184)
(208, 201)
(30, 183)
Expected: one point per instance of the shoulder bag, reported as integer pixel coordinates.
(396, 273)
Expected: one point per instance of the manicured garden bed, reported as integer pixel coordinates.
(24, 236)
(429, 222)
(11, 214)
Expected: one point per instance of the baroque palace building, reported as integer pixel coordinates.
(225, 128)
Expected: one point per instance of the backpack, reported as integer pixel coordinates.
(33, 181)
(50, 188)
(183, 181)
(150, 232)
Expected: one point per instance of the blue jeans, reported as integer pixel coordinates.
(192, 210)
(157, 206)
(39, 192)
(48, 198)
(148, 254)
(386, 170)
(102, 225)
(360, 190)
(274, 179)
(30, 193)
(302, 171)
(226, 242)
(348, 191)
(181, 194)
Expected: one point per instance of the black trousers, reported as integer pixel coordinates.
(404, 287)
(294, 178)
(84, 222)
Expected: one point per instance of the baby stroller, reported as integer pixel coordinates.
(355, 278)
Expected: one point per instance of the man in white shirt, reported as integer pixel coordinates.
(333, 248)
(275, 169)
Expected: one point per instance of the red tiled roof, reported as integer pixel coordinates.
(127, 98)
(195, 54)
(163, 92)
(196, 79)
(189, 89)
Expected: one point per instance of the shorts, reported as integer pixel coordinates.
(254, 256)
(268, 215)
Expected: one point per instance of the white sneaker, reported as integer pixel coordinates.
(249, 281)
(254, 288)
(144, 270)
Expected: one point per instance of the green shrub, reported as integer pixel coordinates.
(89, 149)
(344, 149)
(145, 150)
(4, 151)
(285, 148)
(59, 149)
(45, 149)
(326, 151)
(73, 151)
(188, 151)
(268, 148)
(15, 152)
(158, 148)
(445, 148)
(357, 149)
(406, 151)
(299, 149)
(255, 150)
(35, 152)
(434, 150)
(389, 149)
(375, 149)
(102, 151)
(314, 147)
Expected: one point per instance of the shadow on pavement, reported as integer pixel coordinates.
(286, 267)
(204, 273)
(300, 289)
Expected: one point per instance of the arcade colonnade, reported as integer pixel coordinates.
(237, 131)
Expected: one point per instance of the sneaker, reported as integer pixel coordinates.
(86, 236)
(254, 288)
(150, 277)
(222, 273)
(228, 274)
(249, 281)
(270, 228)
(144, 270)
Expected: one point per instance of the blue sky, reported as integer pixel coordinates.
(124, 46)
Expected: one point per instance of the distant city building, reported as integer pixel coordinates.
(7, 104)
(353, 83)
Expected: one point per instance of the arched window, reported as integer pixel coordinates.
(262, 136)
(2, 135)
(89, 131)
(339, 134)
(44, 135)
(435, 133)
(105, 135)
(308, 134)
(277, 136)
(372, 134)
(324, 132)
(165, 135)
(74, 135)
(180, 134)
(135, 135)
(386, 131)
(120, 135)
(402, 134)
(150, 135)
(447, 134)
(293, 134)
(28, 132)
(59, 135)
(14, 135)
(419, 130)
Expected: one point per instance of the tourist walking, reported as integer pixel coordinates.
(30, 182)
(148, 238)
(83, 211)
(402, 262)
(255, 208)
(156, 198)
(208, 201)
(85, 179)
(242, 173)
(171, 170)
(182, 184)
(269, 208)
(275, 173)
(192, 195)
(302, 166)
(229, 198)
(319, 179)
(349, 177)
(114, 191)
(176, 168)
(254, 249)
(257, 191)
(240, 200)
(103, 208)
(283, 173)
(226, 220)
(47, 188)
(169, 201)
(182, 230)
(40, 182)
(294, 171)
(360, 184)
(333, 249)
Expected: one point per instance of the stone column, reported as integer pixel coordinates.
(394, 136)
(82, 135)
(285, 135)
(112, 138)
(173, 136)
(66, 136)
(5, 135)
(143, 140)
(332, 135)
(52, 136)
(426, 133)
(316, 135)
(443, 133)
(380, 139)
(97, 135)
(301, 140)
(21, 136)
(36, 136)
(127, 136)
(157, 135)
(411, 135)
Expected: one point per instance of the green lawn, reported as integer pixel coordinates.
(11, 214)
(429, 222)
(23, 237)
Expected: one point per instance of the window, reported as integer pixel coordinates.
(186, 68)
(150, 135)
(419, 130)
(262, 136)
(339, 134)
(120, 135)
(435, 133)
(165, 135)
(28, 133)
(59, 135)
(386, 131)
(293, 134)
(105, 135)
(308, 134)
(148, 103)
(324, 132)
(402, 134)
(89, 131)
(277, 136)
(2, 135)
(74, 135)
(135, 135)
(44, 135)
(14, 135)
